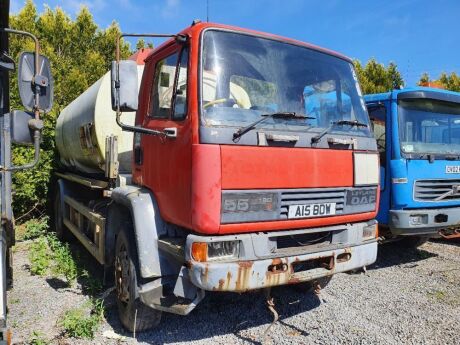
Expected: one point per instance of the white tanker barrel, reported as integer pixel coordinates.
(83, 126)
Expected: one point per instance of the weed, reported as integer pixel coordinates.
(79, 323)
(35, 228)
(39, 256)
(64, 263)
(37, 338)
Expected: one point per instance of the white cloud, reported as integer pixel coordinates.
(74, 6)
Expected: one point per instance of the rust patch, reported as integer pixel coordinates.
(242, 280)
(221, 284)
(204, 274)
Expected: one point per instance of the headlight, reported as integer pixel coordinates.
(366, 168)
(243, 207)
(209, 251)
(370, 232)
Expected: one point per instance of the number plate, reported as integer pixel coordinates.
(453, 169)
(311, 210)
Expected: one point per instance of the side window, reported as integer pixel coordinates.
(180, 105)
(162, 89)
(377, 116)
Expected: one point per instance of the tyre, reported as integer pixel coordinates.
(134, 315)
(413, 241)
(58, 218)
(310, 286)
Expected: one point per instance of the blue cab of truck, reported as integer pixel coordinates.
(418, 136)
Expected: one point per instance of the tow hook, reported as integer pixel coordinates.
(450, 233)
(271, 307)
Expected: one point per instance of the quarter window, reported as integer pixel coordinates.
(180, 105)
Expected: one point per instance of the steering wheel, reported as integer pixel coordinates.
(230, 101)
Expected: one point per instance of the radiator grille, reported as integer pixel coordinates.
(429, 190)
(312, 196)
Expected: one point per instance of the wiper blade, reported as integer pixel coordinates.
(281, 115)
(354, 123)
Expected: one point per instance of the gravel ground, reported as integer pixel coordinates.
(406, 297)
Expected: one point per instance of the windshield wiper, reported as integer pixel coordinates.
(354, 123)
(281, 115)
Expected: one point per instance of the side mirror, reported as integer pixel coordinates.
(23, 125)
(124, 86)
(34, 82)
(6, 63)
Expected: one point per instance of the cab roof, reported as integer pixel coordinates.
(195, 30)
(412, 92)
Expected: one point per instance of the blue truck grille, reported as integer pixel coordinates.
(430, 190)
(312, 196)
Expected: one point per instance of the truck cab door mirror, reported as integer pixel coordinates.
(35, 86)
(6, 63)
(124, 86)
(21, 132)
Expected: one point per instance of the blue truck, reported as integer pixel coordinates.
(418, 137)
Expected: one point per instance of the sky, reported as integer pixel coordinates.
(419, 36)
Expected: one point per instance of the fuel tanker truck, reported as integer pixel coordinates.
(249, 163)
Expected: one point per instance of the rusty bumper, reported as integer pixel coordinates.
(242, 276)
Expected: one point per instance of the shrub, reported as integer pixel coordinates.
(39, 257)
(79, 323)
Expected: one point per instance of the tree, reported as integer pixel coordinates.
(446, 81)
(374, 77)
(80, 53)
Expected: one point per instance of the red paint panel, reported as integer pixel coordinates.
(249, 167)
(295, 224)
(206, 188)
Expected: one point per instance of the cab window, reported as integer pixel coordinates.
(162, 89)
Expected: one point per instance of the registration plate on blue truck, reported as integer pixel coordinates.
(311, 210)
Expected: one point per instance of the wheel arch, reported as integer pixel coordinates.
(140, 205)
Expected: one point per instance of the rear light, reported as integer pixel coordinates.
(209, 251)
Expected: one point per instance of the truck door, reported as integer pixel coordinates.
(167, 159)
(378, 117)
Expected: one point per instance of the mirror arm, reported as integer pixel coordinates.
(136, 129)
(37, 137)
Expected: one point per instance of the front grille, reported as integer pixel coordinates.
(312, 196)
(302, 240)
(429, 190)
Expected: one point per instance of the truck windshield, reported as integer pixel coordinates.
(428, 126)
(245, 76)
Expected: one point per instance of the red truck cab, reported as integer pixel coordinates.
(276, 177)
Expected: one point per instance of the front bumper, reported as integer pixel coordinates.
(250, 275)
(261, 269)
(433, 220)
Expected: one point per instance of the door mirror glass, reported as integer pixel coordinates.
(32, 82)
(21, 133)
(124, 85)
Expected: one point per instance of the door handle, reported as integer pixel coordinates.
(170, 132)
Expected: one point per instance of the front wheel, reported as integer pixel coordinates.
(134, 315)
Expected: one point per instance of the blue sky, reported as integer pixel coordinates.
(419, 36)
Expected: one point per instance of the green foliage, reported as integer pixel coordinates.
(47, 254)
(447, 81)
(35, 228)
(80, 53)
(64, 263)
(81, 323)
(374, 77)
(39, 257)
(38, 338)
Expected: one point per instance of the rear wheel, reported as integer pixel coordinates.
(58, 218)
(413, 241)
(134, 315)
